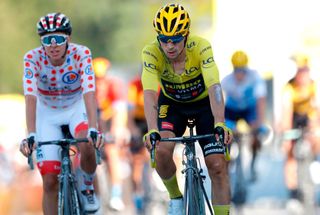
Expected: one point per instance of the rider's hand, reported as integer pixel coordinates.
(28, 145)
(95, 137)
(221, 128)
(151, 135)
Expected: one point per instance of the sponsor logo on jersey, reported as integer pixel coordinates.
(28, 73)
(70, 77)
(191, 70)
(185, 91)
(88, 70)
(207, 62)
(44, 78)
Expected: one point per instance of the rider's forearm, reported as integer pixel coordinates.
(91, 108)
(31, 104)
(216, 102)
(151, 108)
(261, 108)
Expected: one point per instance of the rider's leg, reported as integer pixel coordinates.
(218, 172)
(290, 170)
(50, 194)
(166, 167)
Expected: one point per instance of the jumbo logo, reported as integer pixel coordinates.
(70, 77)
(88, 70)
(28, 73)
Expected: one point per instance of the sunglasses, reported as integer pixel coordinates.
(58, 39)
(173, 39)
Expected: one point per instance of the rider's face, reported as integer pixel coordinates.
(55, 47)
(171, 49)
(240, 74)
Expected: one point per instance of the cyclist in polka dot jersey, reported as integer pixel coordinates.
(59, 88)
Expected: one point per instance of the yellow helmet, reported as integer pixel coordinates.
(239, 59)
(100, 66)
(302, 60)
(171, 20)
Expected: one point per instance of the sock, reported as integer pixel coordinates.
(85, 180)
(221, 209)
(116, 191)
(172, 186)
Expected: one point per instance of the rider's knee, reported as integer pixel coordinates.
(216, 166)
(50, 183)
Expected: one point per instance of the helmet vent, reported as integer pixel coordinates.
(165, 23)
(167, 9)
(173, 23)
(176, 9)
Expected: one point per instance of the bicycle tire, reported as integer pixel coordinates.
(194, 197)
(199, 194)
(64, 200)
(75, 200)
(69, 203)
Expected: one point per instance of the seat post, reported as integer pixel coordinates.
(191, 124)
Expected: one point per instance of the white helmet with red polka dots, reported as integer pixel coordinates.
(54, 22)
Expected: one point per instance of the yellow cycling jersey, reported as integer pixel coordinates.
(200, 73)
(302, 98)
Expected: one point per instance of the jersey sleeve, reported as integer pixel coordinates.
(208, 66)
(30, 74)
(150, 71)
(87, 73)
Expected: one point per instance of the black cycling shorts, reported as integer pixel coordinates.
(173, 116)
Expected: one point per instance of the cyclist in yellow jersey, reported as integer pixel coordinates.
(299, 111)
(184, 67)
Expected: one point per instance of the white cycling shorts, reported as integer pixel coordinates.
(48, 127)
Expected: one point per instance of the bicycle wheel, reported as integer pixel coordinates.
(68, 198)
(75, 201)
(64, 198)
(193, 199)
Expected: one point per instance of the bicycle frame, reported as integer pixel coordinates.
(302, 153)
(68, 196)
(195, 195)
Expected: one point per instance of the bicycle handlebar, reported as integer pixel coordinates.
(185, 140)
(63, 143)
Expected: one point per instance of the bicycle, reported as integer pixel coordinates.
(69, 202)
(303, 153)
(240, 164)
(195, 196)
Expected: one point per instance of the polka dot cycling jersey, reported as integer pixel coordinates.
(59, 86)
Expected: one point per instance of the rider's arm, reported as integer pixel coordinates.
(287, 108)
(211, 77)
(260, 94)
(216, 102)
(150, 108)
(150, 85)
(88, 86)
(91, 108)
(30, 90)
(31, 103)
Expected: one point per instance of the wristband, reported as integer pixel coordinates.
(148, 133)
(223, 125)
(92, 130)
(34, 135)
